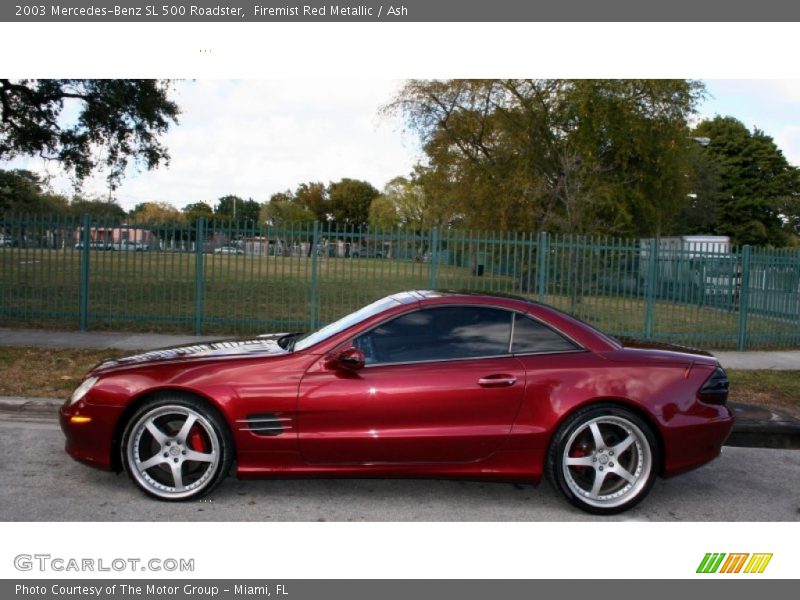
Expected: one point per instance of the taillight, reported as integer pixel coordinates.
(715, 389)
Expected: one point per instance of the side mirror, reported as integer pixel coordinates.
(351, 358)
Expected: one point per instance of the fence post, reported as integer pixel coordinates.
(650, 290)
(434, 266)
(199, 247)
(542, 253)
(83, 308)
(314, 277)
(744, 293)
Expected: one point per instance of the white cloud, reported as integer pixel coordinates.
(772, 105)
(257, 137)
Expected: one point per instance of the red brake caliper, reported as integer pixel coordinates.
(579, 451)
(197, 441)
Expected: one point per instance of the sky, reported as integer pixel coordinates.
(253, 138)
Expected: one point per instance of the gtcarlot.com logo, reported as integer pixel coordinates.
(736, 562)
(47, 562)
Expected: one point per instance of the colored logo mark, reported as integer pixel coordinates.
(737, 562)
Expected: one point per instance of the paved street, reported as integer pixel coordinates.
(38, 481)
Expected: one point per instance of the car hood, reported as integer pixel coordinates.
(262, 345)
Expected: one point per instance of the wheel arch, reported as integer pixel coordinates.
(153, 394)
(633, 407)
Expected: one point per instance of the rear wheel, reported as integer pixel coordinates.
(603, 459)
(177, 448)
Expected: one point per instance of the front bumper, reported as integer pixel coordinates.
(90, 441)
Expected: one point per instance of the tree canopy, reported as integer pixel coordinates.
(156, 213)
(84, 124)
(281, 212)
(615, 156)
(349, 201)
(24, 192)
(238, 210)
(558, 155)
(744, 186)
(196, 210)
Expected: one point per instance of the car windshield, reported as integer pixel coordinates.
(345, 322)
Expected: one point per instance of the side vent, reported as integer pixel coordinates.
(265, 424)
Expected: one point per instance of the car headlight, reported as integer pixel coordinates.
(81, 390)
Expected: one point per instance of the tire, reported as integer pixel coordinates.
(177, 448)
(609, 474)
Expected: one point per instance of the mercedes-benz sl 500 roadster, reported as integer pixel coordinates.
(418, 384)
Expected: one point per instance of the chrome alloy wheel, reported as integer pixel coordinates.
(607, 461)
(173, 451)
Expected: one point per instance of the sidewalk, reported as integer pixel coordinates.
(101, 340)
(787, 360)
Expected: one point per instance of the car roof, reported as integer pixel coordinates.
(587, 336)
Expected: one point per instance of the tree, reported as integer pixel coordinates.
(578, 156)
(23, 192)
(197, 210)
(237, 210)
(405, 203)
(87, 123)
(383, 213)
(157, 213)
(101, 209)
(745, 187)
(314, 197)
(350, 200)
(282, 213)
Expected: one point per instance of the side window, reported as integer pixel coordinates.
(531, 336)
(439, 334)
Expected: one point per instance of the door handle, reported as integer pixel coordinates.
(497, 381)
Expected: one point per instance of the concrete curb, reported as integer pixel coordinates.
(763, 427)
(756, 426)
(18, 404)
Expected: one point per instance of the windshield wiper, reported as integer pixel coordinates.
(292, 341)
(288, 341)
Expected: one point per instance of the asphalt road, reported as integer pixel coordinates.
(39, 482)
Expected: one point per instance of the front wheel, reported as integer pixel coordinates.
(603, 459)
(177, 448)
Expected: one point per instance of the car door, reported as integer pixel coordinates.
(439, 386)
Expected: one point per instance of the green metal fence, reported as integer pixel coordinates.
(202, 277)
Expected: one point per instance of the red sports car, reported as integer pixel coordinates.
(417, 384)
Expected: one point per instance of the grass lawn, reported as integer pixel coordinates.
(41, 373)
(777, 389)
(50, 373)
(156, 292)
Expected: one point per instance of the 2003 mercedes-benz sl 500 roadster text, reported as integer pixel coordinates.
(418, 384)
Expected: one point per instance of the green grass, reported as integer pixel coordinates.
(155, 292)
(777, 389)
(46, 373)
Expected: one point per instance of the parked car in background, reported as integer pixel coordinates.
(6, 242)
(228, 250)
(95, 245)
(417, 384)
(128, 246)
